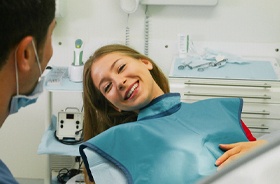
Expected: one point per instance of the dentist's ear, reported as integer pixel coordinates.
(24, 53)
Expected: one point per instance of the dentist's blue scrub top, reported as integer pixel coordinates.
(6, 176)
(171, 141)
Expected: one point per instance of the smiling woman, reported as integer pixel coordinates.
(127, 103)
(94, 100)
(124, 81)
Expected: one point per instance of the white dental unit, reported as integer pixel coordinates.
(238, 40)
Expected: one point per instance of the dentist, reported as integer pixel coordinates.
(25, 50)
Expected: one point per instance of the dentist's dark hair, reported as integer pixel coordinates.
(99, 114)
(21, 18)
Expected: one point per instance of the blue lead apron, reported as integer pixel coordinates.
(171, 142)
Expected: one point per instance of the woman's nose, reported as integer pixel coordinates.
(121, 84)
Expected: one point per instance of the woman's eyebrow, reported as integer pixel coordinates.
(111, 68)
(113, 65)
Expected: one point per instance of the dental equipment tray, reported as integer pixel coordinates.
(57, 79)
(245, 69)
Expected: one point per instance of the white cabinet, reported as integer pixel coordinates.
(181, 2)
(261, 97)
(58, 83)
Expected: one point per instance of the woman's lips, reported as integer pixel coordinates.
(131, 90)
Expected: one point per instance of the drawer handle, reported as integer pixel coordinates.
(264, 97)
(257, 113)
(260, 131)
(234, 85)
(261, 127)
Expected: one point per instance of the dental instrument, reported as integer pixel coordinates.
(183, 66)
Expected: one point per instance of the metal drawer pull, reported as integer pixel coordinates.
(257, 113)
(264, 97)
(260, 132)
(259, 127)
(234, 85)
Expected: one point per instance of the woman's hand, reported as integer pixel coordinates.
(234, 151)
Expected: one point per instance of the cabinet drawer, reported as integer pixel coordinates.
(261, 126)
(250, 91)
(254, 97)
(224, 82)
(256, 110)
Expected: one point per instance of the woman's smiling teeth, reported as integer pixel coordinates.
(131, 91)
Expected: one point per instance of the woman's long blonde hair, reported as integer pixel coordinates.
(99, 114)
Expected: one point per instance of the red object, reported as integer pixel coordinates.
(248, 133)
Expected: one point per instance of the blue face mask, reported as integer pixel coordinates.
(19, 101)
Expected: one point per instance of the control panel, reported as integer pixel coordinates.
(69, 125)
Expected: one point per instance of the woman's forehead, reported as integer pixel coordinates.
(110, 57)
(105, 61)
(103, 66)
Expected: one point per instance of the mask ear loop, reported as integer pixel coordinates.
(37, 58)
(16, 67)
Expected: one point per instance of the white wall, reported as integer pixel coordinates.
(248, 27)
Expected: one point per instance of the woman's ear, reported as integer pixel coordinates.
(24, 54)
(147, 63)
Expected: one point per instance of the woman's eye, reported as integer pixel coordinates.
(121, 68)
(107, 88)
